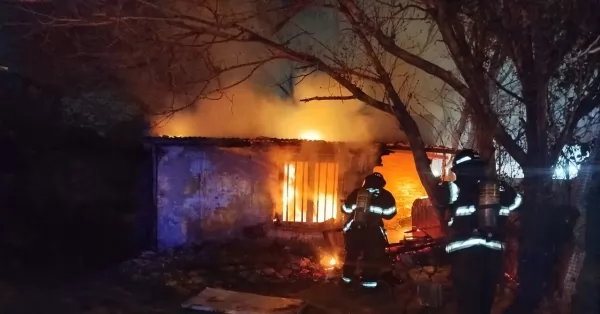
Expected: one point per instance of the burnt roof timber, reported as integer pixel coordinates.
(267, 141)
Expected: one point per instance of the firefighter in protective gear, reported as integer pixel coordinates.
(476, 231)
(363, 230)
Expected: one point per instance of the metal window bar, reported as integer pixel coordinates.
(317, 194)
(286, 199)
(304, 196)
(295, 189)
(326, 209)
(302, 178)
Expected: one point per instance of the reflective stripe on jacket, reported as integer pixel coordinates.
(383, 206)
(470, 209)
(348, 225)
(464, 211)
(387, 211)
(471, 242)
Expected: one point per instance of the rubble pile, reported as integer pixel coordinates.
(223, 266)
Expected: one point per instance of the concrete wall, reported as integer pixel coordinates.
(207, 192)
(201, 192)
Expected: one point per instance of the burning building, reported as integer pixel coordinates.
(206, 188)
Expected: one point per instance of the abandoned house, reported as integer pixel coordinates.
(213, 188)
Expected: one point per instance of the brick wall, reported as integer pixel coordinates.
(400, 172)
(403, 182)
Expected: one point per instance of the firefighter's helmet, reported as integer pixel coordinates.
(465, 157)
(466, 161)
(374, 180)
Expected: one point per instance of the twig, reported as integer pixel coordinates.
(320, 98)
(594, 47)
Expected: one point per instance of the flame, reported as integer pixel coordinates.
(328, 261)
(332, 261)
(271, 115)
(301, 196)
(310, 135)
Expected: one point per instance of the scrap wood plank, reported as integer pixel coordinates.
(231, 302)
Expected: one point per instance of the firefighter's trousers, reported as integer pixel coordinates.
(371, 243)
(476, 271)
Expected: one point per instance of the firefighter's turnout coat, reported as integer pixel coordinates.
(463, 222)
(383, 206)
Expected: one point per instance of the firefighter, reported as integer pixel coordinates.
(480, 205)
(363, 231)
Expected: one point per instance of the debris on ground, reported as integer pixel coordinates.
(158, 282)
(226, 266)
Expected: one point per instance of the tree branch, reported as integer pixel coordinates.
(587, 104)
(388, 43)
(321, 98)
(479, 102)
(504, 89)
(592, 48)
(390, 46)
(293, 55)
(401, 112)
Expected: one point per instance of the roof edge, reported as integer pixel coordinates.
(269, 141)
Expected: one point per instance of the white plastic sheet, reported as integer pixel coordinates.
(231, 302)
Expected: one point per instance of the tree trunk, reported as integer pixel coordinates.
(422, 161)
(538, 243)
(484, 144)
(460, 129)
(587, 296)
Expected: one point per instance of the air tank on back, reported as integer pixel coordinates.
(363, 203)
(488, 208)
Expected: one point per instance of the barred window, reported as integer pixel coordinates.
(310, 191)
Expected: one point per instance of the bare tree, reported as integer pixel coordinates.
(526, 71)
(529, 103)
(125, 36)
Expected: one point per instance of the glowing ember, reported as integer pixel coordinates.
(332, 261)
(329, 262)
(310, 135)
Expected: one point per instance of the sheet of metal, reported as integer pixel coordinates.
(231, 302)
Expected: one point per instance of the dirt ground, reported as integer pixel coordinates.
(159, 283)
(111, 295)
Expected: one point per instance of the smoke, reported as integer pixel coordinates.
(154, 59)
(246, 111)
(256, 107)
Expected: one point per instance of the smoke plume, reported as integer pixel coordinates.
(256, 107)
(248, 111)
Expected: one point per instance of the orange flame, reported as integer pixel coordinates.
(320, 194)
(310, 135)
